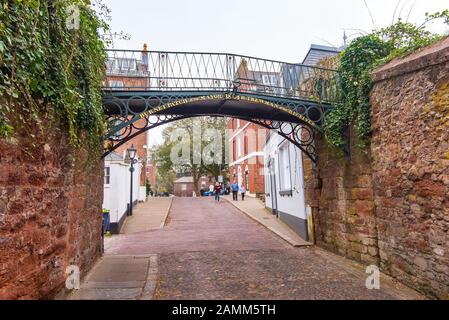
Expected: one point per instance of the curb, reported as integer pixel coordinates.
(279, 234)
(150, 283)
(166, 215)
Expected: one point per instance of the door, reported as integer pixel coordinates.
(273, 189)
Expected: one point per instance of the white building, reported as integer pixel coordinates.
(117, 187)
(284, 183)
(284, 179)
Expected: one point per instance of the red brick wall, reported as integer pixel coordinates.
(177, 190)
(50, 216)
(130, 83)
(151, 175)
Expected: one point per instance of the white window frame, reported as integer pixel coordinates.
(116, 84)
(126, 64)
(285, 177)
(107, 176)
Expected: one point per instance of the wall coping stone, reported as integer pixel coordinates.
(435, 54)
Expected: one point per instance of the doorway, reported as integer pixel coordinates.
(273, 189)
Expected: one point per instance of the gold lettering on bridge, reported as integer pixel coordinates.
(226, 96)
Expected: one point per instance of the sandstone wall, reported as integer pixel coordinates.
(390, 205)
(410, 148)
(339, 189)
(50, 215)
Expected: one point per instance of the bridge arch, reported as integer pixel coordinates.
(132, 114)
(145, 89)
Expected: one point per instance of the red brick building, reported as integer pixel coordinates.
(246, 143)
(183, 187)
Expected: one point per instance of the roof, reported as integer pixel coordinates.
(185, 180)
(113, 156)
(318, 52)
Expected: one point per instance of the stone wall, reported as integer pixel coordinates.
(50, 215)
(390, 205)
(410, 147)
(339, 189)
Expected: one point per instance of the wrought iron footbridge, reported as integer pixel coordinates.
(145, 89)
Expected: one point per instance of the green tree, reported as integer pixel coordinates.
(165, 181)
(201, 142)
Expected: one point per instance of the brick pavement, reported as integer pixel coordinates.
(255, 209)
(214, 251)
(198, 224)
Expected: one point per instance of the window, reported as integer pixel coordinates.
(110, 65)
(116, 84)
(184, 187)
(245, 144)
(239, 147)
(233, 151)
(285, 179)
(247, 178)
(269, 80)
(238, 123)
(107, 175)
(126, 64)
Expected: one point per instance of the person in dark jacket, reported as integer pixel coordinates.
(217, 191)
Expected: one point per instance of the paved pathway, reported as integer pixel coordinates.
(255, 209)
(120, 278)
(214, 251)
(147, 216)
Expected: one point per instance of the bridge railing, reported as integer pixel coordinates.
(218, 72)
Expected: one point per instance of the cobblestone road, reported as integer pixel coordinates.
(213, 251)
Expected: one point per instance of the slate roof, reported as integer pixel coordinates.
(318, 52)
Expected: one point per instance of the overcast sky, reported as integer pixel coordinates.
(274, 29)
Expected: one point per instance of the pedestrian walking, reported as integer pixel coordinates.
(211, 189)
(217, 191)
(235, 190)
(243, 191)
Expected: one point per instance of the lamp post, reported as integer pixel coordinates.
(132, 158)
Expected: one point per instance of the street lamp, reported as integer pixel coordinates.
(132, 158)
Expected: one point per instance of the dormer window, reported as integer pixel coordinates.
(269, 80)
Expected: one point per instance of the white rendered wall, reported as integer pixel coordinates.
(117, 193)
(294, 205)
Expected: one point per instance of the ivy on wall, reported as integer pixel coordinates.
(357, 63)
(50, 70)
